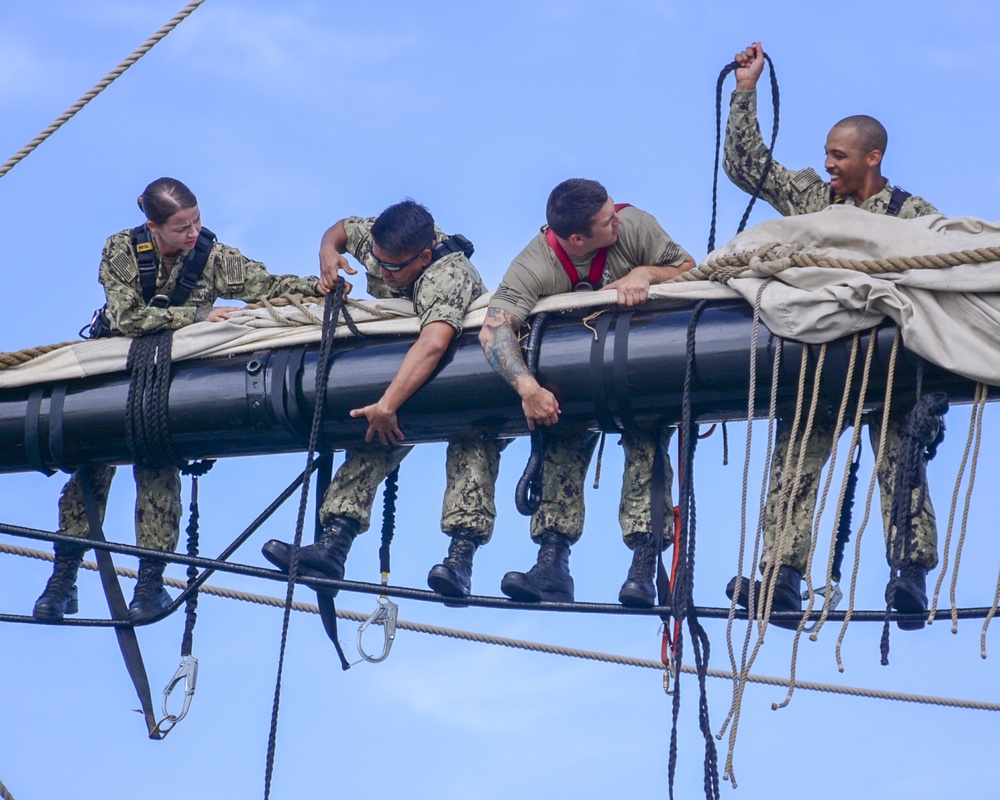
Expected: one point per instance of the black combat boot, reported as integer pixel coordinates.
(911, 595)
(150, 597)
(324, 559)
(787, 594)
(549, 579)
(60, 596)
(639, 589)
(453, 576)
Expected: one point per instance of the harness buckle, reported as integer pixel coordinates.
(384, 615)
(160, 301)
(188, 673)
(836, 595)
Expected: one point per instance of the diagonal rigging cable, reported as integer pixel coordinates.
(100, 86)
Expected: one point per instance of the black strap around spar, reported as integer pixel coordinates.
(149, 264)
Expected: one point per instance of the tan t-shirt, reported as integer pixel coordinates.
(536, 272)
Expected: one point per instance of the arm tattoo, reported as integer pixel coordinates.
(500, 344)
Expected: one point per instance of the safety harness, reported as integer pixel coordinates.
(899, 196)
(149, 265)
(596, 276)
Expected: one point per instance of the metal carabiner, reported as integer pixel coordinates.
(836, 595)
(187, 672)
(384, 615)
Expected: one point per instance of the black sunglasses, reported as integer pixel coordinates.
(392, 267)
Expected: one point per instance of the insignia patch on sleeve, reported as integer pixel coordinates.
(232, 267)
(124, 266)
(805, 178)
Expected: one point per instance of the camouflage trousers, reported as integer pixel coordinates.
(157, 504)
(795, 514)
(471, 468)
(565, 463)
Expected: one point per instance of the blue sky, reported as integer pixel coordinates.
(285, 118)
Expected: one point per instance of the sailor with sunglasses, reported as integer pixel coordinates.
(405, 255)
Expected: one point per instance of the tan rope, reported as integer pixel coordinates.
(855, 440)
(590, 655)
(17, 357)
(744, 502)
(989, 618)
(946, 550)
(775, 257)
(883, 432)
(978, 413)
(99, 87)
(770, 576)
(807, 574)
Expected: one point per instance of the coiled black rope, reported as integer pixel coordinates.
(147, 422)
(683, 590)
(332, 310)
(923, 433)
(776, 103)
(528, 493)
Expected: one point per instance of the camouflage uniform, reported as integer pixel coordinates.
(566, 460)
(442, 293)
(228, 274)
(804, 192)
(536, 272)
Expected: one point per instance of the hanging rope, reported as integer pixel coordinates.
(965, 510)
(331, 313)
(775, 101)
(975, 420)
(683, 589)
(100, 86)
(883, 432)
(845, 503)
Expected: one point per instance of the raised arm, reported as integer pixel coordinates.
(498, 337)
(331, 257)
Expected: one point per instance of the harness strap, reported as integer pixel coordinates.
(899, 196)
(149, 265)
(596, 274)
(147, 261)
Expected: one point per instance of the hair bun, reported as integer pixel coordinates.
(139, 201)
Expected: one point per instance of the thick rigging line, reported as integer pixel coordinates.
(100, 86)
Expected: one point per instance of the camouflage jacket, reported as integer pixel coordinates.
(228, 274)
(444, 289)
(790, 193)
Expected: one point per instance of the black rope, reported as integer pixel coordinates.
(776, 103)
(683, 591)
(528, 493)
(923, 433)
(332, 310)
(147, 421)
